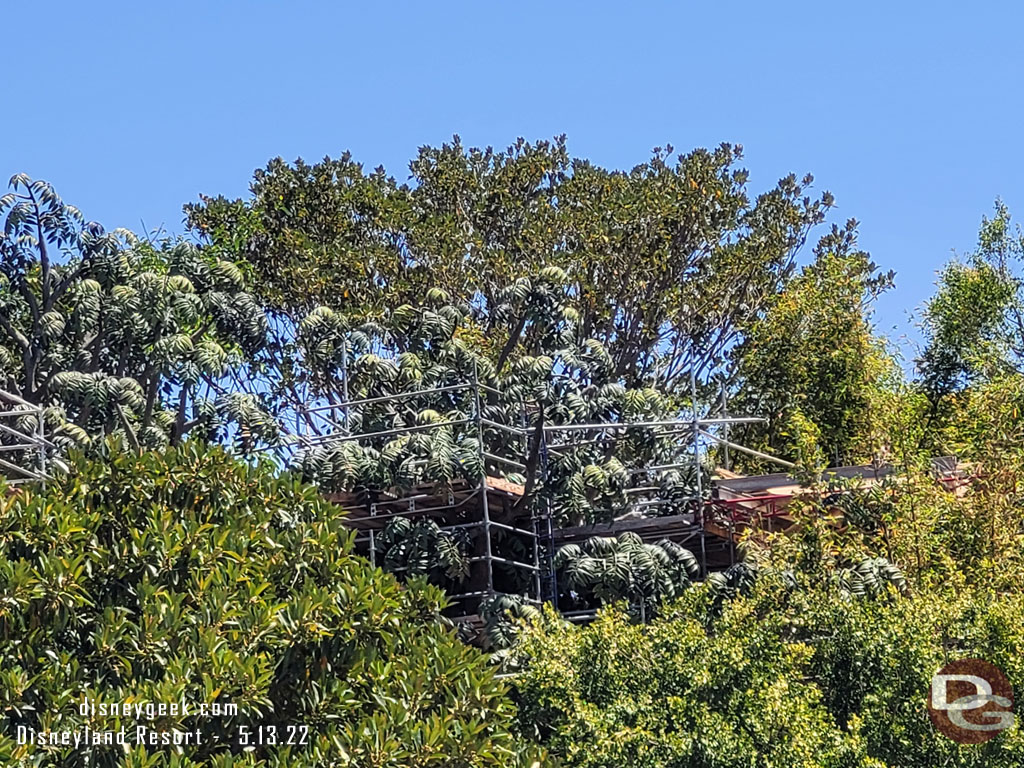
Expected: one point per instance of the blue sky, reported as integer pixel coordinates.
(909, 113)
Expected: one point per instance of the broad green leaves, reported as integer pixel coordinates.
(604, 570)
(188, 576)
(118, 336)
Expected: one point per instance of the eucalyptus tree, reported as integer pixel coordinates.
(117, 335)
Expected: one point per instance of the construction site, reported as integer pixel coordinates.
(501, 516)
(507, 522)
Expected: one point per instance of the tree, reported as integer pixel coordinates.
(557, 377)
(421, 548)
(812, 363)
(667, 263)
(974, 325)
(114, 335)
(873, 662)
(187, 576)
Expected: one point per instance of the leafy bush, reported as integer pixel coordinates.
(672, 693)
(186, 576)
(810, 677)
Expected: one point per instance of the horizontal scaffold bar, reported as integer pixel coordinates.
(609, 425)
(744, 449)
(384, 398)
(323, 439)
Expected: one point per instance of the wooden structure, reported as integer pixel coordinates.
(506, 542)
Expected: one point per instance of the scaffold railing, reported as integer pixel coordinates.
(25, 451)
(481, 505)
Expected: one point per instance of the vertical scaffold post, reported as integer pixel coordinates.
(483, 479)
(552, 574)
(538, 590)
(725, 426)
(697, 467)
(373, 539)
(41, 439)
(344, 384)
(725, 463)
(732, 537)
(538, 586)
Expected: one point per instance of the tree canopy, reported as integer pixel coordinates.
(666, 262)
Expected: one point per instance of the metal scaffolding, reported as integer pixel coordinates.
(511, 526)
(24, 447)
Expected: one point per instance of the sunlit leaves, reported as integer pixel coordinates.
(84, 312)
(189, 576)
(672, 252)
(973, 322)
(811, 365)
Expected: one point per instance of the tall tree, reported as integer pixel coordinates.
(112, 334)
(667, 262)
(974, 324)
(811, 362)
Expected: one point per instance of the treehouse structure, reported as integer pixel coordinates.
(490, 520)
(495, 524)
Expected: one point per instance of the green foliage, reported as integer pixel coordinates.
(873, 662)
(975, 321)
(811, 365)
(605, 570)
(789, 670)
(318, 234)
(657, 258)
(551, 376)
(575, 295)
(870, 577)
(503, 617)
(421, 548)
(973, 534)
(118, 336)
(674, 693)
(187, 576)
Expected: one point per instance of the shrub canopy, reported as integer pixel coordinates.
(186, 576)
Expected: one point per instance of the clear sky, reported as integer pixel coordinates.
(909, 112)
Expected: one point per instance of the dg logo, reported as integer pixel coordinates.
(971, 701)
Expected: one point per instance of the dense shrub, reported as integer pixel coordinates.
(189, 577)
(807, 676)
